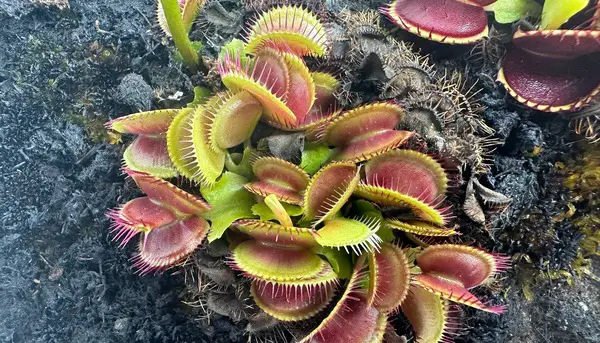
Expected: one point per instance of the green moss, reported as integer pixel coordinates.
(583, 179)
(94, 127)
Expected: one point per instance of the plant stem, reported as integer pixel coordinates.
(180, 37)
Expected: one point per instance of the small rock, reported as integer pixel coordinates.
(286, 146)
(55, 273)
(134, 92)
(121, 325)
(175, 97)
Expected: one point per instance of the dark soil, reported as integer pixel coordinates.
(64, 72)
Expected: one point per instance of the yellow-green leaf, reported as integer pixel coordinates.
(366, 209)
(265, 213)
(201, 94)
(558, 12)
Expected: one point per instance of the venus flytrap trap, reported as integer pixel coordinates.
(175, 18)
(315, 242)
(148, 152)
(444, 21)
(559, 58)
(168, 219)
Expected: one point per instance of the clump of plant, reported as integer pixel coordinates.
(553, 67)
(583, 180)
(317, 242)
(440, 104)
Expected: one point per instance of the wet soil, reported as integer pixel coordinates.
(64, 72)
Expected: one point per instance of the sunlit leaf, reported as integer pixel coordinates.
(196, 46)
(201, 94)
(233, 48)
(241, 163)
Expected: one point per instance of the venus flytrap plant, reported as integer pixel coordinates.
(312, 240)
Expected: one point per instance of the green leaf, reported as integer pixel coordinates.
(230, 202)
(197, 45)
(386, 233)
(264, 212)
(558, 12)
(314, 156)
(178, 57)
(241, 163)
(233, 48)
(338, 259)
(508, 11)
(365, 208)
(201, 94)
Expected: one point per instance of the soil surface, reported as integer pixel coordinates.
(63, 72)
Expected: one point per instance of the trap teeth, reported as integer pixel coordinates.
(328, 190)
(287, 28)
(389, 276)
(365, 132)
(291, 301)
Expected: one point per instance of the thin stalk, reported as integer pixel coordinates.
(280, 213)
(180, 37)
